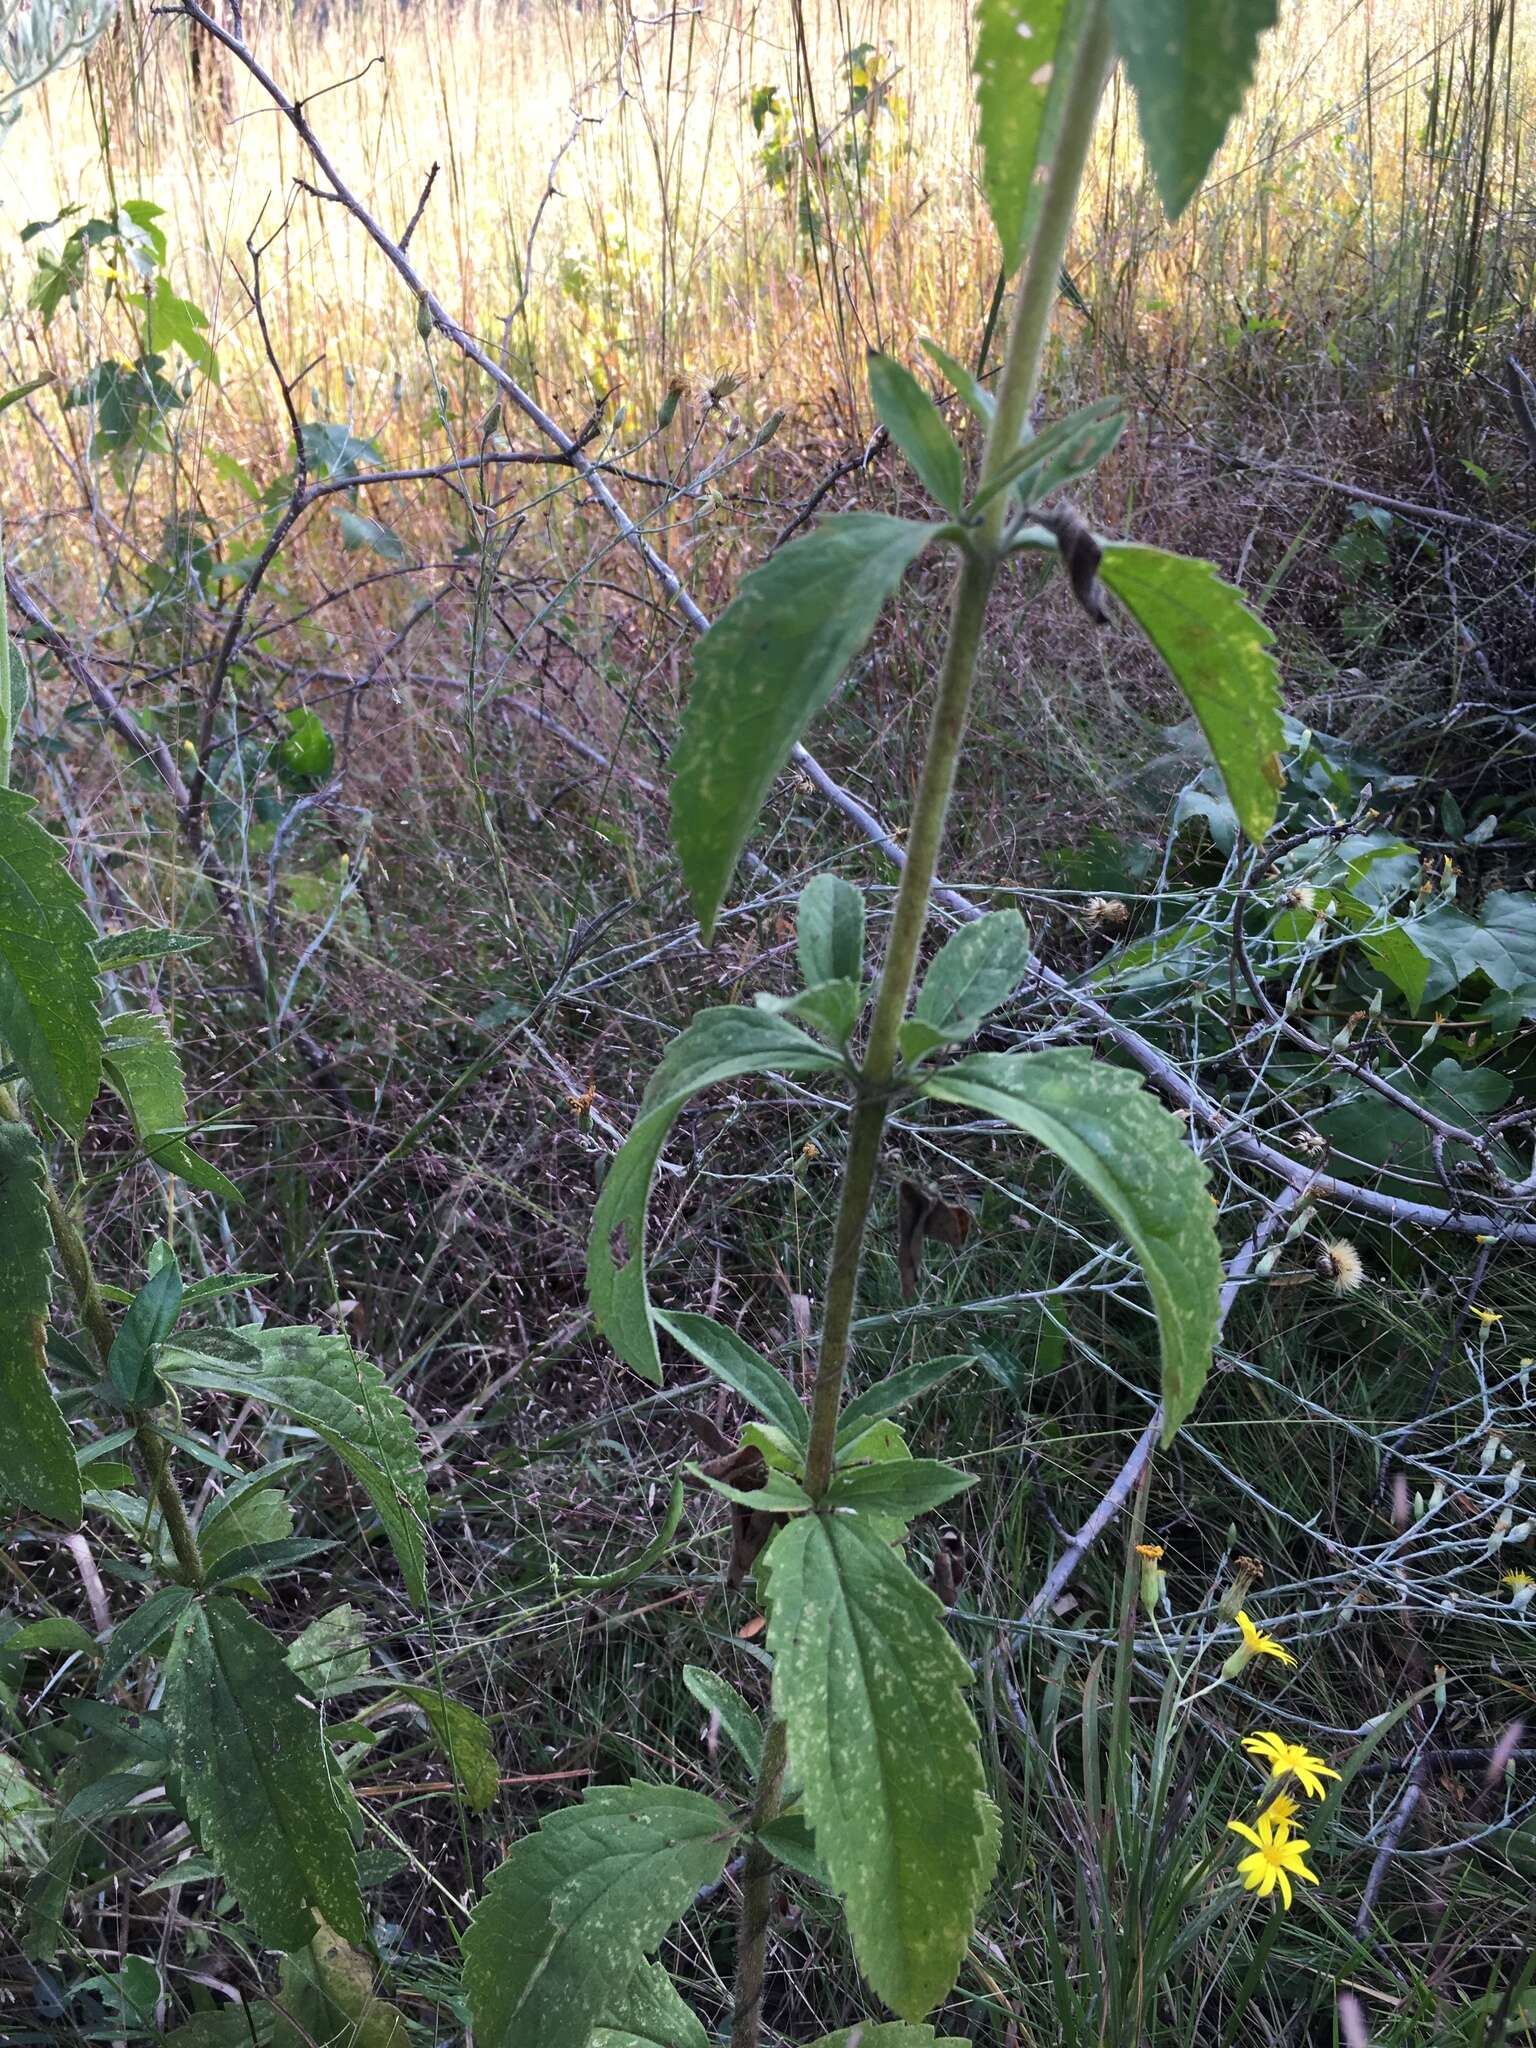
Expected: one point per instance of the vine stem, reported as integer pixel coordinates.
(946, 735)
(81, 1275)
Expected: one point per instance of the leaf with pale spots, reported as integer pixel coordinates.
(567, 1920)
(50, 991)
(718, 1045)
(259, 1791)
(1190, 63)
(646, 2013)
(1132, 1156)
(885, 1748)
(316, 1377)
(464, 1740)
(1022, 48)
(37, 1458)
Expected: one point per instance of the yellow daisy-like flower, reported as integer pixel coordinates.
(1280, 1812)
(1291, 1760)
(1521, 1587)
(1487, 1317)
(1276, 1858)
(1254, 1644)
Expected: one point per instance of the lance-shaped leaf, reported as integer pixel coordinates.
(881, 1740)
(316, 1377)
(746, 1372)
(829, 931)
(1058, 455)
(259, 1791)
(1131, 1155)
(1190, 63)
(37, 1459)
(902, 1487)
(888, 1396)
(975, 971)
(736, 1718)
(917, 427)
(1217, 651)
(328, 2001)
(464, 1740)
(143, 1069)
(49, 990)
(1023, 50)
(718, 1045)
(762, 672)
(571, 1914)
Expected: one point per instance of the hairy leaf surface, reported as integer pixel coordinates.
(37, 1458)
(718, 1045)
(870, 1688)
(761, 673)
(576, 1906)
(260, 1792)
(49, 990)
(1217, 651)
(1132, 1156)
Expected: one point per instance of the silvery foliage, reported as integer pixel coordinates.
(42, 36)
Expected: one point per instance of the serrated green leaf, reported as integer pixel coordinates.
(746, 1372)
(464, 1740)
(1131, 1155)
(316, 1377)
(973, 394)
(1217, 651)
(764, 669)
(49, 990)
(37, 1458)
(904, 1488)
(577, 1905)
(141, 1633)
(888, 1396)
(142, 1068)
(976, 969)
(885, 1748)
(718, 1045)
(646, 2013)
(1021, 54)
(331, 1655)
(1190, 63)
(917, 427)
(737, 1720)
(829, 931)
(256, 1784)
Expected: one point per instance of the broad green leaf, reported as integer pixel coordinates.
(48, 983)
(577, 1905)
(37, 1458)
(316, 1378)
(172, 321)
(331, 1655)
(1131, 1155)
(917, 427)
(732, 1360)
(260, 1515)
(831, 1007)
(886, 1396)
(258, 1789)
(464, 1740)
(142, 1067)
(718, 1045)
(976, 969)
(974, 395)
(789, 1840)
(646, 2013)
(761, 673)
(737, 1720)
(1058, 455)
(904, 1487)
(150, 1320)
(328, 2000)
(1021, 52)
(885, 1748)
(779, 1494)
(1190, 63)
(51, 1635)
(829, 931)
(359, 531)
(141, 1633)
(1217, 651)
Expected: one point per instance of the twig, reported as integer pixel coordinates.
(421, 206)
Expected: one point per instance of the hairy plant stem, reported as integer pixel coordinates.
(151, 1446)
(946, 735)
